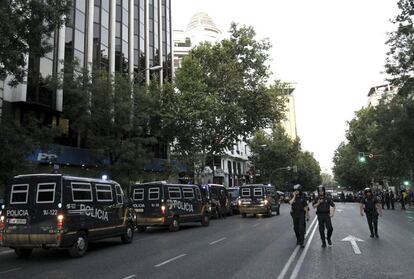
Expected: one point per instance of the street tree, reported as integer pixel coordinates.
(400, 57)
(222, 95)
(27, 26)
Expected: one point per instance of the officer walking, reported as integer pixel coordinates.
(392, 199)
(387, 199)
(323, 205)
(370, 205)
(298, 212)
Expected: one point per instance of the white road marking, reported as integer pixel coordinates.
(255, 225)
(6, 252)
(170, 260)
(130, 276)
(339, 210)
(352, 239)
(299, 263)
(218, 240)
(293, 256)
(10, 270)
(411, 217)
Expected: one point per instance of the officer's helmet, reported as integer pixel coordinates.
(297, 187)
(367, 190)
(321, 190)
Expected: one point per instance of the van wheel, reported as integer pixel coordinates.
(175, 225)
(23, 253)
(205, 220)
(80, 246)
(142, 228)
(243, 215)
(278, 211)
(269, 212)
(128, 236)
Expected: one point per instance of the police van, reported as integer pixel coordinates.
(169, 205)
(219, 199)
(258, 199)
(58, 211)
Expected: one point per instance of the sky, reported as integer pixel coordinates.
(334, 50)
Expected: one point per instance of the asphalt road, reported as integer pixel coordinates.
(238, 248)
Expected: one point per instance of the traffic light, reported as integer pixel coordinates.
(361, 157)
(407, 183)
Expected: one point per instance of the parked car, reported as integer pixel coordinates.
(219, 199)
(57, 211)
(168, 205)
(233, 193)
(258, 199)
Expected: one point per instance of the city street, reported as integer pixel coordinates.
(239, 248)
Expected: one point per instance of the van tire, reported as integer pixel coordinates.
(175, 225)
(243, 215)
(205, 220)
(128, 236)
(278, 211)
(23, 253)
(142, 228)
(80, 246)
(269, 212)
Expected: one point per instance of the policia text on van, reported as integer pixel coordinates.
(162, 204)
(56, 211)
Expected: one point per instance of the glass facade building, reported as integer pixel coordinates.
(122, 36)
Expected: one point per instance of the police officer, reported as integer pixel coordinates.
(392, 199)
(370, 205)
(298, 212)
(323, 205)
(387, 199)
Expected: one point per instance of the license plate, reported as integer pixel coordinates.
(139, 210)
(18, 221)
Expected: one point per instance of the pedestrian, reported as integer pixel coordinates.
(323, 205)
(370, 205)
(392, 199)
(382, 196)
(387, 199)
(402, 199)
(299, 212)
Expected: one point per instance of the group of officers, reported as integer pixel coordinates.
(325, 210)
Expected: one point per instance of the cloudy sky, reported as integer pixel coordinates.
(333, 49)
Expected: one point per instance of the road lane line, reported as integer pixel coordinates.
(255, 225)
(293, 256)
(299, 263)
(10, 270)
(410, 217)
(130, 276)
(170, 260)
(6, 252)
(217, 241)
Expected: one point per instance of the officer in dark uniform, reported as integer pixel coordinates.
(298, 213)
(387, 199)
(323, 205)
(370, 205)
(392, 199)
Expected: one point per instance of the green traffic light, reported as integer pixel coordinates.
(406, 183)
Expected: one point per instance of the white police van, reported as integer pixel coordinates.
(58, 211)
(163, 204)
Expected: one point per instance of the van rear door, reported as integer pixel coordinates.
(147, 200)
(32, 208)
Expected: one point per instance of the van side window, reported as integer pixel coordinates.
(19, 194)
(174, 193)
(104, 193)
(188, 193)
(198, 194)
(138, 195)
(45, 193)
(258, 192)
(245, 192)
(153, 194)
(81, 192)
(119, 194)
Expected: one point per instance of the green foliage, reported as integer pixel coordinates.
(400, 58)
(222, 95)
(272, 154)
(18, 142)
(26, 26)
